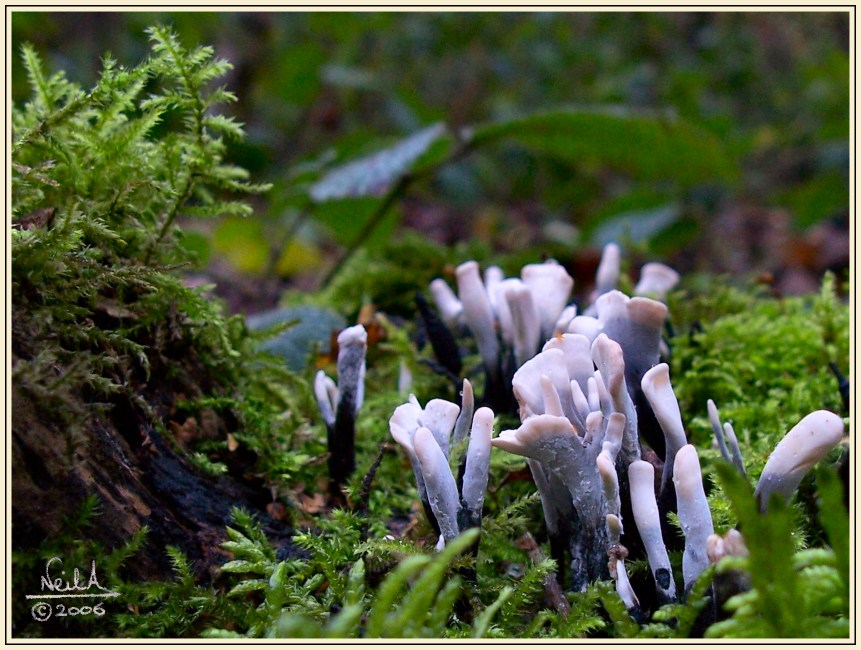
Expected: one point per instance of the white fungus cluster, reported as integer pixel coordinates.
(579, 401)
(511, 313)
(579, 430)
(428, 435)
(515, 315)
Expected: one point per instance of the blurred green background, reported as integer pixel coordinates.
(769, 92)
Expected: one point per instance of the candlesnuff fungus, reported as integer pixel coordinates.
(524, 329)
(801, 448)
(569, 481)
(574, 425)
(439, 483)
(725, 434)
(587, 401)
(694, 514)
(440, 336)
(641, 476)
(403, 424)
(727, 583)
(550, 286)
(659, 391)
(339, 405)
(609, 270)
(452, 506)
(606, 464)
(450, 308)
(510, 317)
(656, 280)
(479, 315)
(464, 418)
(806, 444)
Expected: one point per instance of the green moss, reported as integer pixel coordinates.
(99, 178)
(764, 361)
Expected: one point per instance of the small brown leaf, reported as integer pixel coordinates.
(277, 511)
(114, 309)
(186, 432)
(40, 218)
(312, 504)
(209, 424)
(232, 443)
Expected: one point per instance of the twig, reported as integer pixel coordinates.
(171, 217)
(363, 499)
(552, 591)
(277, 251)
(370, 225)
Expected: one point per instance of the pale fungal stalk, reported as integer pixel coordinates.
(464, 418)
(405, 378)
(563, 458)
(656, 280)
(550, 286)
(439, 483)
(806, 444)
(659, 391)
(648, 519)
(636, 324)
(478, 314)
(525, 328)
(606, 464)
(731, 544)
(694, 514)
(339, 405)
(326, 393)
(449, 306)
(725, 438)
(609, 270)
(476, 469)
(508, 317)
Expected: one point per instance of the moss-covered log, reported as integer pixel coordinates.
(115, 359)
(138, 479)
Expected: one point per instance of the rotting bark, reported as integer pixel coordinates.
(138, 478)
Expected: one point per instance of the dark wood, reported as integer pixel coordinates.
(138, 478)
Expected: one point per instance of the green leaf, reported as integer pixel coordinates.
(771, 546)
(346, 623)
(479, 628)
(378, 173)
(389, 590)
(835, 519)
(346, 219)
(311, 328)
(818, 198)
(244, 566)
(644, 145)
(624, 625)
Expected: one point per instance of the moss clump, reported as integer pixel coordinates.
(763, 360)
(99, 178)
